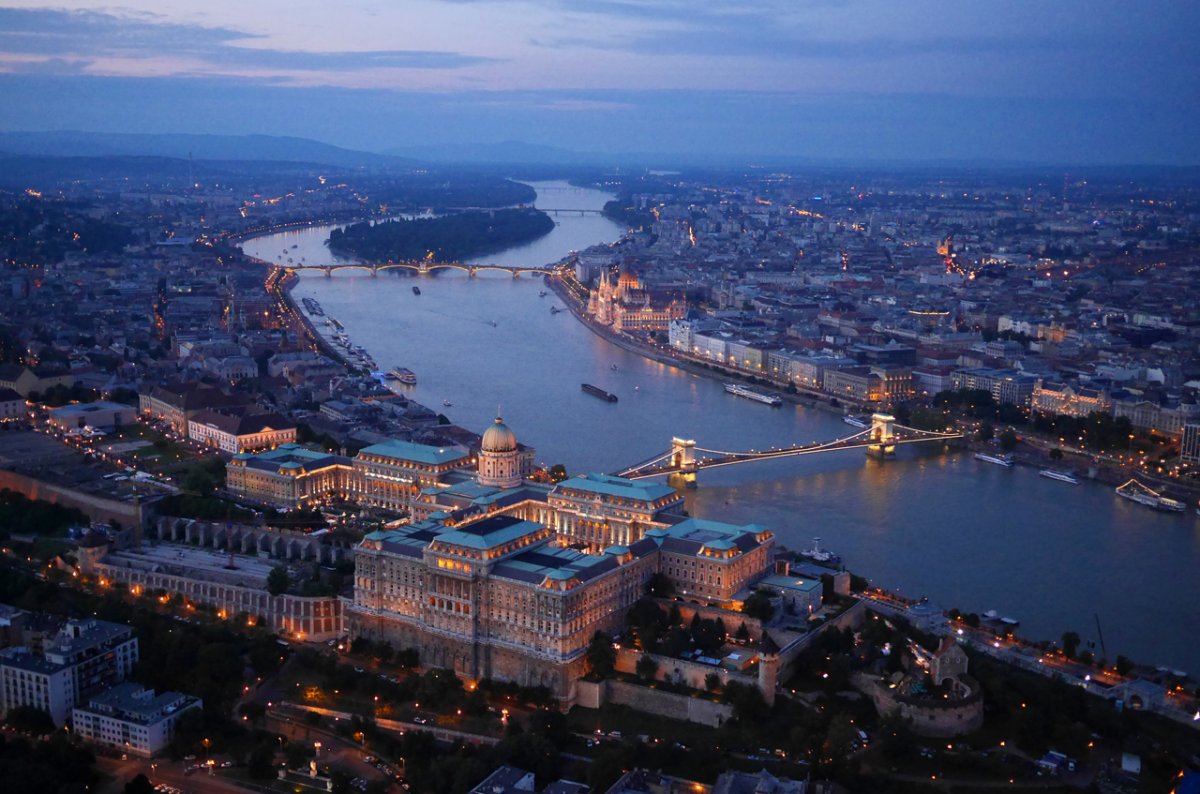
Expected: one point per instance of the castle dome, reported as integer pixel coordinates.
(498, 438)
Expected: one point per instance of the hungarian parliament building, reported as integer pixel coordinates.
(627, 307)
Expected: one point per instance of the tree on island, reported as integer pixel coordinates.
(1070, 644)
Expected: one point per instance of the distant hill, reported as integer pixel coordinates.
(515, 152)
(262, 148)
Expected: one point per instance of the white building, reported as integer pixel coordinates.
(84, 657)
(237, 434)
(132, 718)
(1189, 448)
(12, 405)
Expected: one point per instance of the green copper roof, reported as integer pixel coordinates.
(608, 485)
(417, 453)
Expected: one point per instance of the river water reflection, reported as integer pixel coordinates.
(966, 533)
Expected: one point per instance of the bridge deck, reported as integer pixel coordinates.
(717, 458)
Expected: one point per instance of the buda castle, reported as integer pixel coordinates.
(499, 577)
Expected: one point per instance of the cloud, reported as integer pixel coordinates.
(59, 40)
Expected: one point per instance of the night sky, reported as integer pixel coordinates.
(1058, 81)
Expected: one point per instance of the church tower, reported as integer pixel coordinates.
(499, 457)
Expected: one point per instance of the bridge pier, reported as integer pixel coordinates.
(374, 271)
(683, 456)
(328, 272)
(471, 272)
(882, 436)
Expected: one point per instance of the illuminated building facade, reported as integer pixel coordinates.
(391, 474)
(599, 510)
(503, 598)
(1061, 398)
(626, 307)
(288, 476)
(234, 434)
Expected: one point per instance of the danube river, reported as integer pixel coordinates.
(967, 534)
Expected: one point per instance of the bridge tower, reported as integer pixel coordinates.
(683, 457)
(882, 436)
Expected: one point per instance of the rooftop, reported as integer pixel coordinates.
(416, 453)
(135, 703)
(608, 485)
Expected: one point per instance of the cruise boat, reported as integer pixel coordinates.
(856, 421)
(596, 391)
(404, 375)
(999, 460)
(1144, 495)
(1061, 476)
(555, 310)
(750, 394)
(447, 403)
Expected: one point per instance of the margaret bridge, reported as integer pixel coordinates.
(418, 266)
(685, 459)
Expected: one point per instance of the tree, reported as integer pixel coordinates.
(712, 682)
(28, 719)
(1056, 454)
(601, 656)
(261, 763)
(1070, 644)
(252, 711)
(986, 431)
(759, 606)
(558, 473)
(1008, 440)
(659, 585)
(1124, 665)
(139, 784)
(646, 668)
(277, 580)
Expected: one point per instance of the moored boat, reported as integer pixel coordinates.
(404, 375)
(1061, 476)
(999, 460)
(818, 554)
(1146, 496)
(750, 394)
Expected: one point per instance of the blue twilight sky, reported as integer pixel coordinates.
(1060, 81)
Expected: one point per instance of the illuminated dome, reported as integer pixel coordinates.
(498, 438)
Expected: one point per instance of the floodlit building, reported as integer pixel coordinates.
(513, 583)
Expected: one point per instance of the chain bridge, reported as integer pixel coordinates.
(685, 458)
